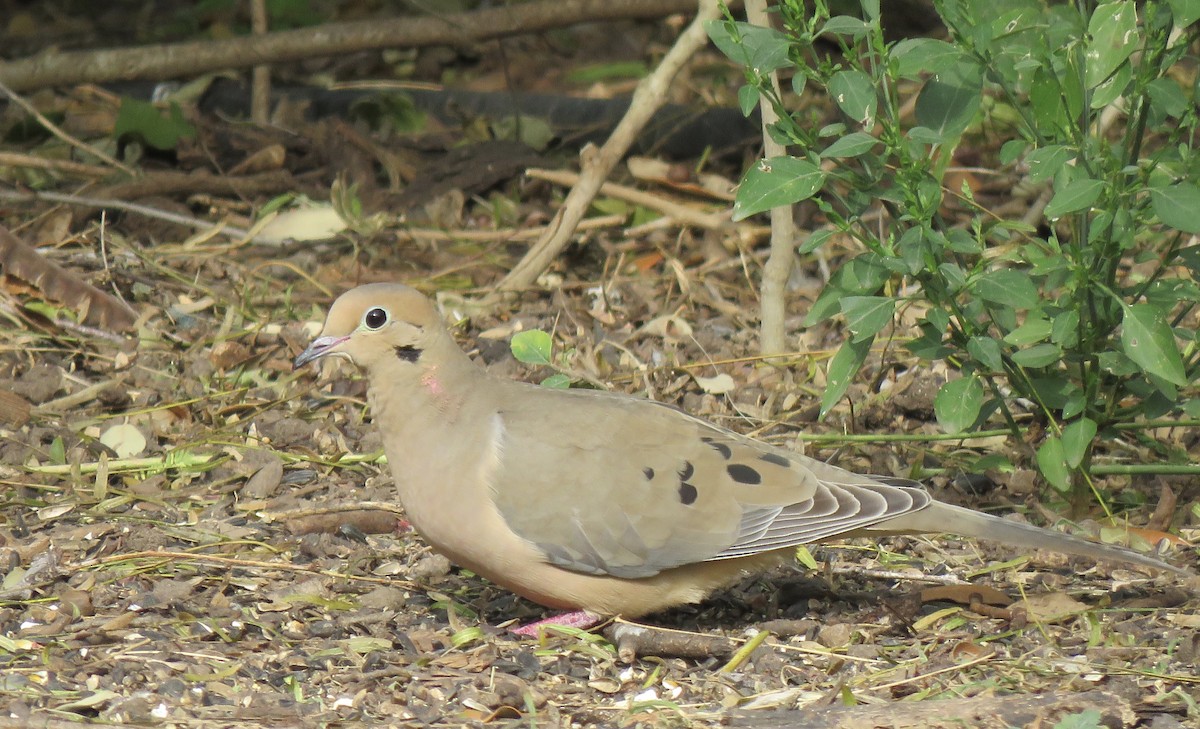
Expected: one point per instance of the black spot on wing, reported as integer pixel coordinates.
(742, 473)
(775, 458)
(407, 353)
(687, 492)
(721, 448)
(686, 472)
(649, 473)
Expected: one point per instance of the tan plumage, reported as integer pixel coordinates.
(579, 499)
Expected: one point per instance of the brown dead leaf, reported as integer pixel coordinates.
(14, 409)
(964, 594)
(1052, 607)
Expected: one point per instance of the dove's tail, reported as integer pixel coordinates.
(938, 517)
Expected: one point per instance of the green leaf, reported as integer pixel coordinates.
(1033, 330)
(58, 451)
(855, 96)
(804, 557)
(986, 352)
(1146, 338)
(748, 99)
(815, 240)
(532, 347)
(557, 381)
(1166, 98)
(916, 56)
(1064, 331)
(1177, 206)
(1048, 105)
(1075, 403)
(1076, 438)
(1012, 150)
(844, 25)
(143, 121)
(1184, 12)
(1076, 195)
(843, 366)
(1006, 286)
(850, 145)
(1086, 719)
(1112, 88)
(958, 404)
(1039, 355)
(949, 100)
(1052, 462)
(755, 47)
(776, 181)
(867, 315)
(863, 275)
(1114, 38)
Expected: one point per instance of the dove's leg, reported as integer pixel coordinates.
(579, 619)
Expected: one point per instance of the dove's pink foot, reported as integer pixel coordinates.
(580, 619)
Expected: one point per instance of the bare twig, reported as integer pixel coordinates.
(680, 213)
(171, 60)
(93, 202)
(504, 234)
(596, 164)
(14, 159)
(53, 129)
(260, 86)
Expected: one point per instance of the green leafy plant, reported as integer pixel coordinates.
(143, 122)
(1084, 316)
(536, 347)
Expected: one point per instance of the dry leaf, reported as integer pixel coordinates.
(125, 440)
(320, 222)
(718, 385)
(1052, 607)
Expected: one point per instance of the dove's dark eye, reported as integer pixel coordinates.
(375, 318)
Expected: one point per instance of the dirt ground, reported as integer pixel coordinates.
(194, 535)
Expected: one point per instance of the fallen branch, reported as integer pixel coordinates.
(171, 60)
(596, 164)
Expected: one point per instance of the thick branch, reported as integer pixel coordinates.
(164, 61)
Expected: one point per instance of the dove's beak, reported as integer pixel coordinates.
(320, 347)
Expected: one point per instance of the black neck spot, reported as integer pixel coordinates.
(407, 353)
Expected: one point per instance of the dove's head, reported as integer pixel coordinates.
(376, 323)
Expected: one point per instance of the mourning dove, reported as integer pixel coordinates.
(605, 503)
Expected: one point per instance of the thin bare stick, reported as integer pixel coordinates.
(92, 202)
(14, 159)
(670, 208)
(595, 165)
(503, 234)
(260, 85)
(53, 129)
